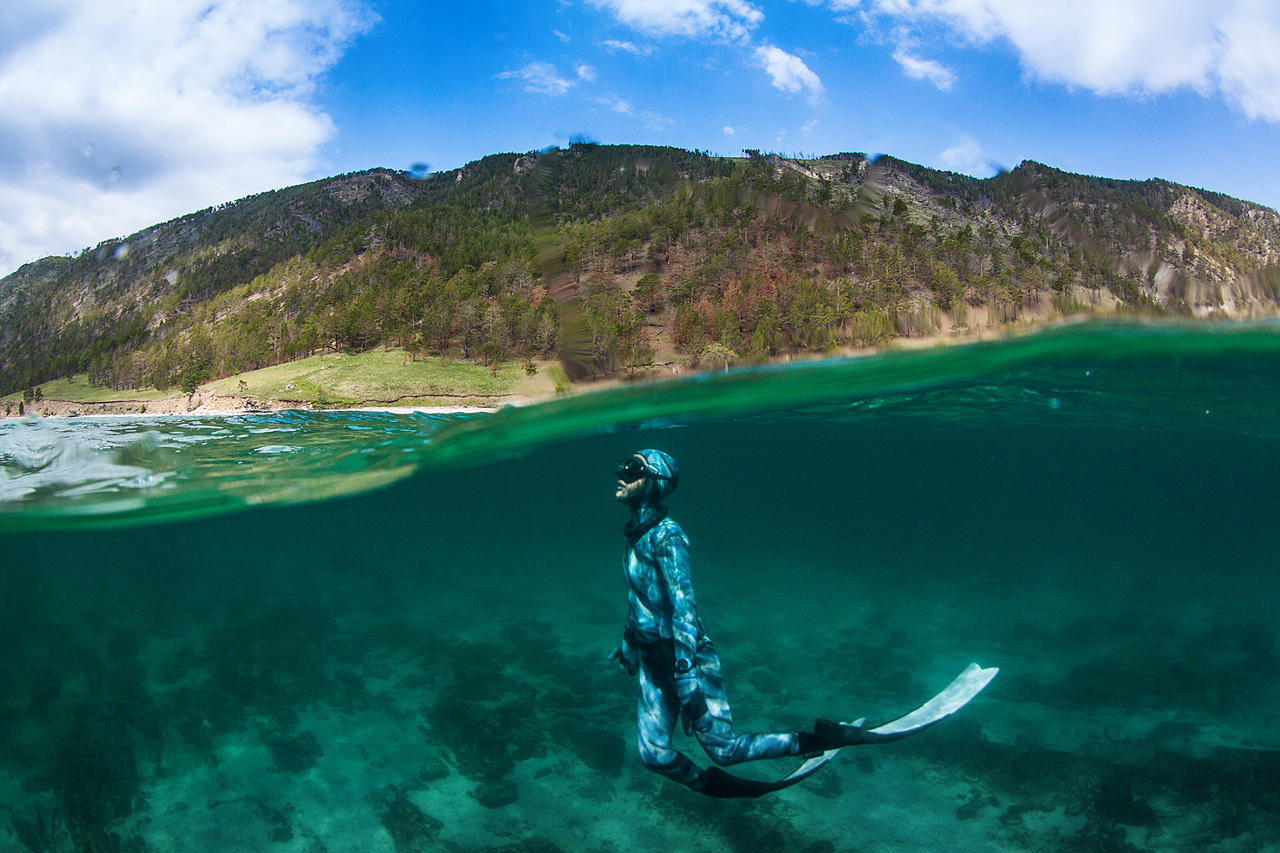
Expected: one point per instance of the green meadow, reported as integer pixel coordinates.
(376, 378)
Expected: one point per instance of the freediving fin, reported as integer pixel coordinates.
(956, 695)
(725, 786)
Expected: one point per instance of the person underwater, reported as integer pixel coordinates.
(664, 643)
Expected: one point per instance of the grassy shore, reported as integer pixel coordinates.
(384, 377)
(390, 378)
(377, 378)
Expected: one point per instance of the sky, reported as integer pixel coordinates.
(118, 115)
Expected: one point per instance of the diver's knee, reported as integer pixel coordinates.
(658, 758)
(723, 753)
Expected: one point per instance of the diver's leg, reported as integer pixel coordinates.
(657, 713)
(714, 729)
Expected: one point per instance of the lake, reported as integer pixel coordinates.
(331, 631)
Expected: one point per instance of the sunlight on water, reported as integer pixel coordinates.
(64, 472)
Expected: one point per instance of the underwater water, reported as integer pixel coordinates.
(378, 632)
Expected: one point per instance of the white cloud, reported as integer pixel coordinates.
(613, 102)
(649, 119)
(788, 71)
(656, 121)
(540, 78)
(808, 127)
(967, 157)
(924, 69)
(732, 19)
(586, 72)
(1248, 69)
(729, 131)
(114, 117)
(562, 36)
(1121, 47)
(629, 47)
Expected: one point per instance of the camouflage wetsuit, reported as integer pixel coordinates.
(678, 667)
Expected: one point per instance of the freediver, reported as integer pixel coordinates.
(663, 642)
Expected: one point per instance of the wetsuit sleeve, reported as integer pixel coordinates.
(673, 557)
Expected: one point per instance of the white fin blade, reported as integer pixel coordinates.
(957, 694)
(813, 765)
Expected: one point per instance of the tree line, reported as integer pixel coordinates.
(600, 254)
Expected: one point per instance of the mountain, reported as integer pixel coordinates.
(620, 258)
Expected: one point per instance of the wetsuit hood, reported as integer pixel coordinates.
(646, 508)
(656, 489)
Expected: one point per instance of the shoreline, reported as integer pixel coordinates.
(211, 412)
(208, 403)
(222, 407)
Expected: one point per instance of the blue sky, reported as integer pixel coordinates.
(115, 116)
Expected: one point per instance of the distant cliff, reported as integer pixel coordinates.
(617, 258)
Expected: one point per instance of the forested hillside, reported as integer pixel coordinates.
(620, 258)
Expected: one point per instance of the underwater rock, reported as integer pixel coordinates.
(534, 844)
(1141, 681)
(281, 826)
(1116, 803)
(496, 793)
(1100, 838)
(826, 784)
(1018, 770)
(600, 748)
(270, 663)
(977, 802)
(1253, 640)
(433, 769)
(1012, 816)
(1241, 787)
(349, 678)
(96, 778)
(766, 681)
(39, 827)
(412, 830)
(294, 753)
(1025, 687)
(750, 836)
(486, 740)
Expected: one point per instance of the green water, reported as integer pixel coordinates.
(361, 631)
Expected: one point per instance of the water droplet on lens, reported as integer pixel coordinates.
(114, 175)
(121, 252)
(1055, 403)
